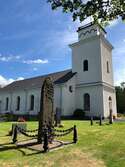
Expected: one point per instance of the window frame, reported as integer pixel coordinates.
(85, 65)
(86, 102)
(7, 104)
(18, 103)
(32, 99)
(107, 67)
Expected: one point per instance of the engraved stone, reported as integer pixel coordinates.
(46, 114)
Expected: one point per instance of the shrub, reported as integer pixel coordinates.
(8, 117)
(79, 113)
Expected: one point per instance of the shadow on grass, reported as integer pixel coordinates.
(4, 146)
(11, 146)
(4, 135)
(42, 151)
(103, 123)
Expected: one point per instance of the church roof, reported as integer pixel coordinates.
(36, 82)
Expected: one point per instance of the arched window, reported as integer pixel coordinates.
(108, 67)
(86, 101)
(110, 103)
(18, 103)
(7, 104)
(110, 99)
(32, 102)
(70, 88)
(85, 65)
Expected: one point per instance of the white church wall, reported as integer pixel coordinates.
(89, 31)
(87, 50)
(106, 56)
(36, 93)
(68, 98)
(108, 92)
(96, 99)
(13, 106)
(57, 96)
(3, 102)
(62, 99)
(65, 99)
(24, 102)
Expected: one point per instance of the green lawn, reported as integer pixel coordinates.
(98, 146)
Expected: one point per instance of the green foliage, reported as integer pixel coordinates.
(101, 10)
(79, 114)
(120, 98)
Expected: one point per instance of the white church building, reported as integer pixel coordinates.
(88, 85)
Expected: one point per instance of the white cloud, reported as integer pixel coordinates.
(4, 81)
(37, 61)
(12, 58)
(8, 58)
(19, 78)
(35, 69)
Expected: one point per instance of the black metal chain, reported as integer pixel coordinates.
(61, 131)
(64, 133)
(30, 131)
(24, 132)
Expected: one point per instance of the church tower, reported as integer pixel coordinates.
(92, 61)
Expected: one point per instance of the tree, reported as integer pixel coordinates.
(101, 11)
(123, 85)
(120, 98)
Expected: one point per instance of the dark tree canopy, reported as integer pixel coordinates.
(101, 10)
(120, 97)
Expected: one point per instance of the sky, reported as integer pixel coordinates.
(34, 41)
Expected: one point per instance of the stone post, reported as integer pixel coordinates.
(110, 117)
(75, 137)
(91, 121)
(15, 135)
(100, 121)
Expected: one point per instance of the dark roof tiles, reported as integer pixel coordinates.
(32, 83)
(65, 78)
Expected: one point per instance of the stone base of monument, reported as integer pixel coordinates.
(33, 145)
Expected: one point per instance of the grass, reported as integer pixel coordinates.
(98, 146)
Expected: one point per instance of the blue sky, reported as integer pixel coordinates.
(34, 40)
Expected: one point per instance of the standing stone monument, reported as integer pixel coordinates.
(46, 114)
